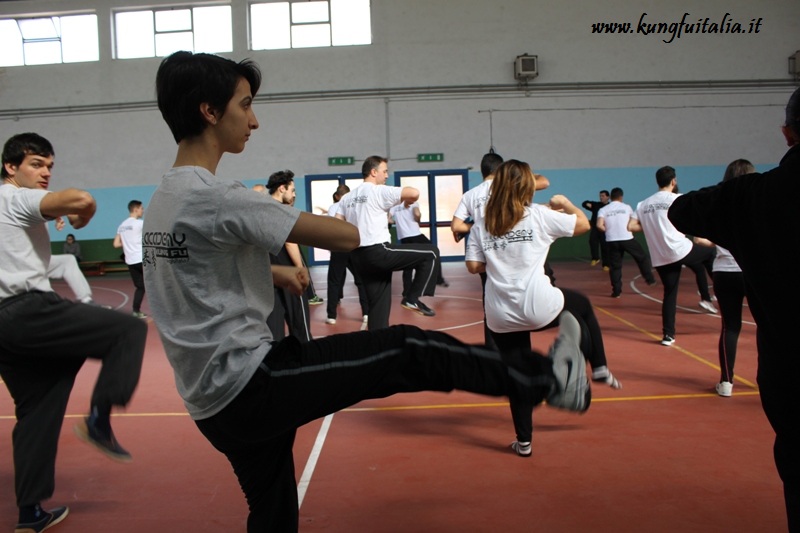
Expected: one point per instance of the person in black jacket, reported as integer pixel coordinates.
(749, 217)
(597, 239)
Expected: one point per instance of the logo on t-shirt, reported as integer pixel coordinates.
(512, 237)
(166, 246)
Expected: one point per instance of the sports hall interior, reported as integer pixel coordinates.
(435, 86)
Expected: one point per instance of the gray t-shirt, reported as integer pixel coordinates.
(24, 242)
(206, 246)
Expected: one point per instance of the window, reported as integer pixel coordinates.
(158, 33)
(280, 25)
(48, 40)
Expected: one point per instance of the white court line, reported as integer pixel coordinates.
(648, 297)
(308, 471)
(311, 464)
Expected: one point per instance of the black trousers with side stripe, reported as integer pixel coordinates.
(44, 341)
(300, 382)
(375, 265)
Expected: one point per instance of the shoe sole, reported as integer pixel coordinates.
(418, 310)
(55, 521)
(521, 454)
(577, 393)
(82, 432)
(668, 343)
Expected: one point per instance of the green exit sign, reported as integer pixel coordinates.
(340, 161)
(430, 158)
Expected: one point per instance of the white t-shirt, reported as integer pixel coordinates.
(473, 201)
(724, 262)
(519, 295)
(406, 224)
(615, 215)
(130, 232)
(667, 244)
(25, 243)
(333, 209)
(366, 208)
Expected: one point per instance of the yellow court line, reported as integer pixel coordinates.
(445, 405)
(674, 346)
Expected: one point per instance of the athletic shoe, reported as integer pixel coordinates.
(652, 283)
(48, 520)
(419, 307)
(668, 340)
(724, 388)
(315, 300)
(606, 269)
(615, 295)
(106, 444)
(443, 283)
(609, 379)
(708, 306)
(330, 321)
(572, 391)
(523, 449)
(139, 314)
(594, 262)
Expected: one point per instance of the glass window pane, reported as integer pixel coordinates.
(448, 190)
(269, 26)
(167, 43)
(421, 184)
(350, 22)
(447, 245)
(42, 28)
(213, 30)
(79, 39)
(174, 20)
(10, 44)
(42, 53)
(305, 12)
(311, 35)
(134, 34)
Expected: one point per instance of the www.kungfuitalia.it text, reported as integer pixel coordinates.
(688, 25)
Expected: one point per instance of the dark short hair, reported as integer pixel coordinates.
(605, 192)
(341, 190)
(133, 204)
(793, 112)
(186, 80)
(489, 163)
(22, 144)
(616, 193)
(282, 177)
(664, 176)
(371, 163)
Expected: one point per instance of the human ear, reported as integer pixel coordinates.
(209, 113)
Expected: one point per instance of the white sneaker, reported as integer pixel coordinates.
(668, 340)
(725, 388)
(708, 306)
(523, 449)
(572, 391)
(330, 321)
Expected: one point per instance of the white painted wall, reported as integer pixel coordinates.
(661, 115)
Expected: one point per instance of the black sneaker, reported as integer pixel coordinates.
(48, 520)
(107, 445)
(419, 307)
(668, 340)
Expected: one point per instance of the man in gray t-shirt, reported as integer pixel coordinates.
(44, 339)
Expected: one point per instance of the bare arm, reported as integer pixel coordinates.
(417, 215)
(703, 242)
(459, 226)
(601, 224)
(290, 278)
(634, 226)
(329, 233)
(409, 195)
(541, 182)
(117, 241)
(475, 267)
(559, 202)
(294, 254)
(78, 206)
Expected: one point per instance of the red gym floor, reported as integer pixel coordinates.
(663, 454)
